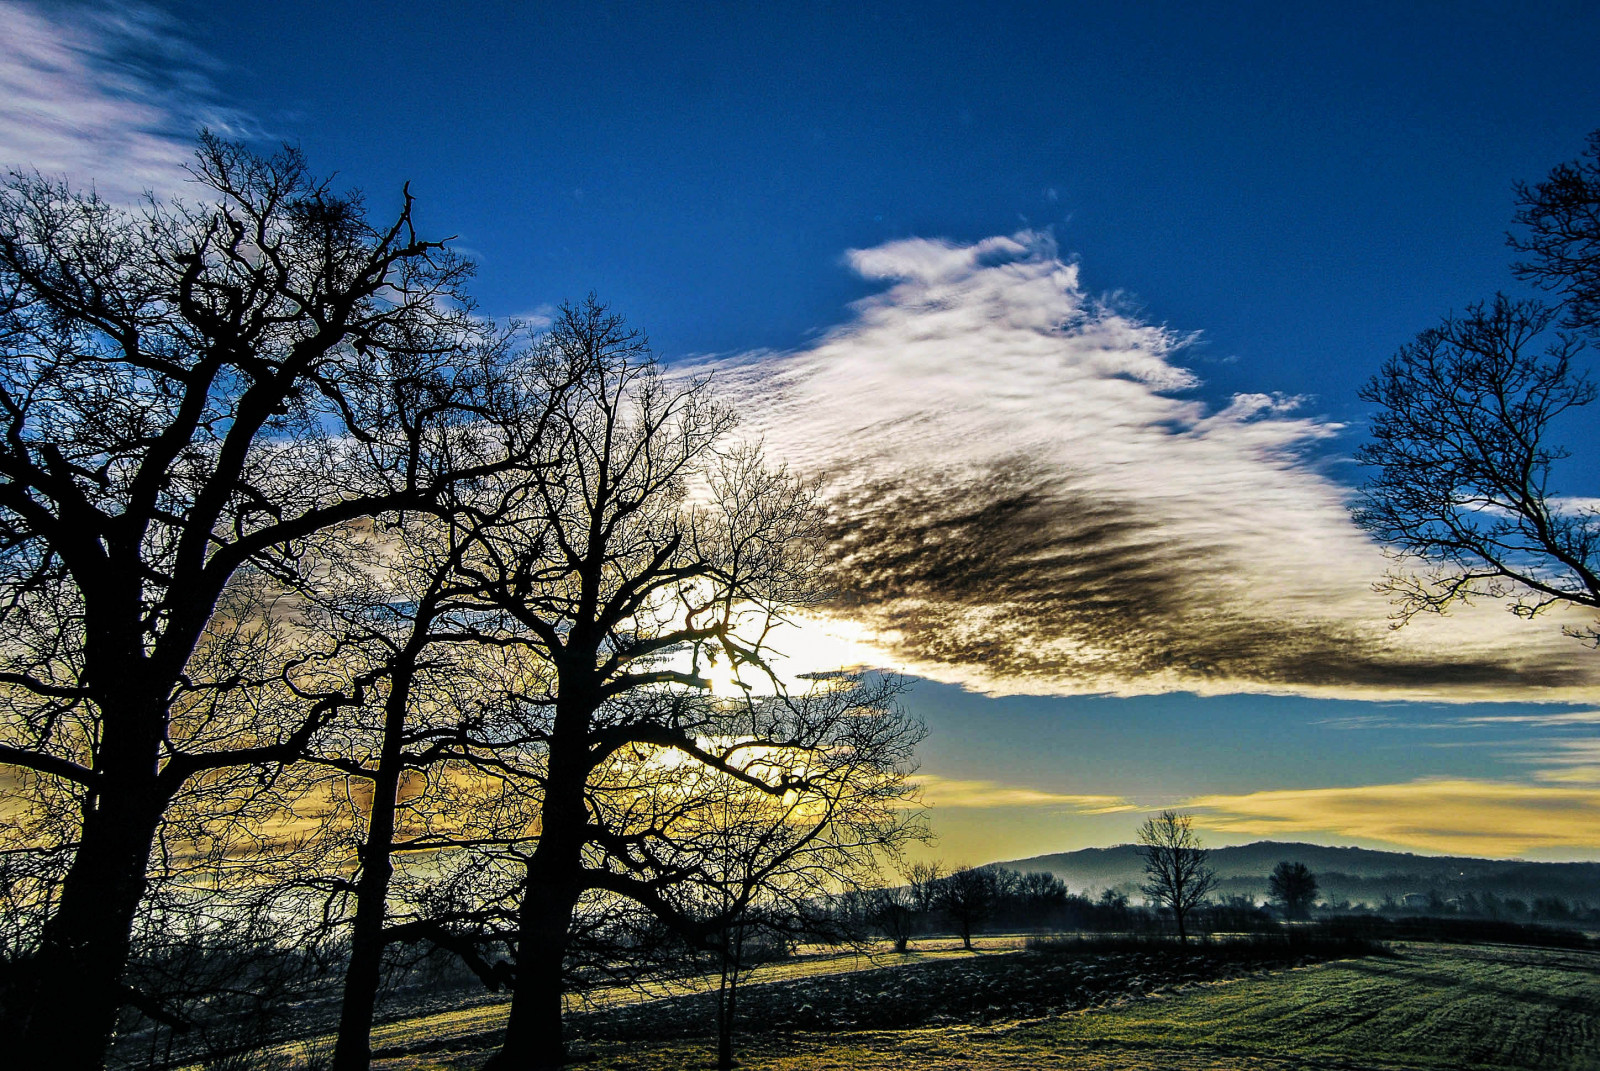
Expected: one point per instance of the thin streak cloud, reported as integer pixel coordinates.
(1542, 721)
(1574, 762)
(949, 792)
(1027, 498)
(1463, 817)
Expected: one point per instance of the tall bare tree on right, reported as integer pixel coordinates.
(1466, 467)
(1176, 872)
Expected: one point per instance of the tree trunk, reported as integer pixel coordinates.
(533, 1039)
(1183, 934)
(728, 998)
(725, 1027)
(353, 1050)
(67, 1001)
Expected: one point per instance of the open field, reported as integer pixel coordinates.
(489, 1015)
(1429, 1007)
(431, 1023)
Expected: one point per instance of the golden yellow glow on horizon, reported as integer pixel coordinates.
(1461, 817)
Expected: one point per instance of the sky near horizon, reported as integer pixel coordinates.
(1070, 303)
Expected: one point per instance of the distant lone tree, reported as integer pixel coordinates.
(1176, 874)
(891, 912)
(1294, 888)
(969, 898)
(1462, 439)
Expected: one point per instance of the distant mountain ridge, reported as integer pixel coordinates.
(1355, 874)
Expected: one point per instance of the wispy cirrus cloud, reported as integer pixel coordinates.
(1027, 498)
(109, 95)
(1574, 761)
(1562, 719)
(950, 792)
(1457, 816)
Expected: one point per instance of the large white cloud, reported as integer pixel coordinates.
(1029, 497)
(105, 95)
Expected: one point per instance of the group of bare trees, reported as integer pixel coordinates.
(1178, 886)
(319, 591)
(967, 900)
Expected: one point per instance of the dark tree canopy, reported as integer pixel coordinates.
(968, 897)
(1463, 441)
(1294, 888)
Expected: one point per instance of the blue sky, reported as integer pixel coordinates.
(1305, 184)
(1305, 187)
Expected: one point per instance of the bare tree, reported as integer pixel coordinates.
(651, 555)
(1561, 217)
(922, 881)
(893, 914)
(1462, 442)
(400, 618)
(768, 871)
(185, 392)
(1176, 873)
(968, 897)
(1294, 888)
(1465, 465)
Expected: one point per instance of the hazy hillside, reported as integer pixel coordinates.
(1344, 873)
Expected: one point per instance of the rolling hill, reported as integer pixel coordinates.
(1355, 874)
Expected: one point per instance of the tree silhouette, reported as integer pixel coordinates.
(969, 897)
(1462, 439)
(1175, 866)
(1294, 888)
(1561, 217)
(189, 392)
(650, 553)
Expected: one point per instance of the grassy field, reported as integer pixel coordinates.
(1431, 1007)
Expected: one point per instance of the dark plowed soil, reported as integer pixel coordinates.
(982, 989)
